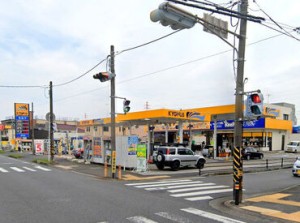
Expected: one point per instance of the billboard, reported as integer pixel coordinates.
(22, 120)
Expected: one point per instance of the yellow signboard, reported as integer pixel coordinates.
(21, 109)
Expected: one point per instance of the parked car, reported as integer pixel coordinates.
(176, 157)
(78, 153)
(251, 153)
(296, 168)
(293, 147)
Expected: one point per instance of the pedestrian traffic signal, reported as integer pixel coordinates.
(104, 76)
(254, 105)
(170, 15)
(126, 107)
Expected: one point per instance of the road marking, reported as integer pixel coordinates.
(17, 169)
(199, 198)
(157, 182)
(132, 177)
(196, 188)
(173, 217)
(140, 219)
(42, 168)
(181, 186)
(201, 193)
(30, 169)
(166, 184)
(3, 170)
(212, 216)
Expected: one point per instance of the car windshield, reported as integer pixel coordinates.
(293, 144)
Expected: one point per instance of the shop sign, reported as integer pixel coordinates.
(229, 124)
(2, 127)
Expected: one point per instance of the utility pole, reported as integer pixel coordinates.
(112, 114)
(239, 96)
(51, 123)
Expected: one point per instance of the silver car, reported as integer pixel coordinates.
(296, 168)
(176, 157)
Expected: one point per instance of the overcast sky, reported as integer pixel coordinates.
(58, 41)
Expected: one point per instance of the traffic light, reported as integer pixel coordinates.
(104, 76)
(126, 107)
(254, 105)
(170, 15)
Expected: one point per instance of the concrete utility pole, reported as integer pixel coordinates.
(51, 122)
(112, 114)
(239, 96)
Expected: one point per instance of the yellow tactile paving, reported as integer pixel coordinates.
(295, 216)
(277, 199)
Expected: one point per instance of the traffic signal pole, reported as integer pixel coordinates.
(239, 96)
(51, 123)
(112, 114)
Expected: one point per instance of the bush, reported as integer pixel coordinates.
(42, 161)
(16, 156)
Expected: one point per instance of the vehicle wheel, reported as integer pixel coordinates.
(160, 166)
(160, 158)
(248, 157)
(175, 165)
(200, 164)
(261, 157)
(295, 175)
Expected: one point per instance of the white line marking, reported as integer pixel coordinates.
(198, 198)
(201, 193)
(212, 216)
(167, 184)
(30, 169)
(173, 217)
(181, 186)
(17, 169)
(196, 188)
(157, 182)
(3, 170)
(42, 168)
(140, 219)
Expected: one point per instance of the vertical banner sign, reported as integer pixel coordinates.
(132, 143)
(39, 147)
(113, 162)
(22, 120)
(141, 157)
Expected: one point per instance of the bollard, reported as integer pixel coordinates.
(105, 169)
(119, 173)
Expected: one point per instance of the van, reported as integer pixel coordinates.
(293, 147)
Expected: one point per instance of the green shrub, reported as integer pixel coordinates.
(16, 156)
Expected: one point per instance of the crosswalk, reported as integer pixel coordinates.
(182, 216)
(23, 169)
(191, 190)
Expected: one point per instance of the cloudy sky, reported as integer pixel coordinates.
(59, 41)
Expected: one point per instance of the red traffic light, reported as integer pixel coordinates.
(255, 98)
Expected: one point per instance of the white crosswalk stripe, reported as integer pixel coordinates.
(3, 170)
(191, 190)
(187, 212)
(23, 169)
(17, 169)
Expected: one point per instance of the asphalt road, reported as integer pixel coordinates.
(31, 193)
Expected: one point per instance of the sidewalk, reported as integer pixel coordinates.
(212, 167)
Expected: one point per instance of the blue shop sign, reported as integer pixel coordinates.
(296, 129)
(229, 124)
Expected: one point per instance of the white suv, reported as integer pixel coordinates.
(176, 157)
